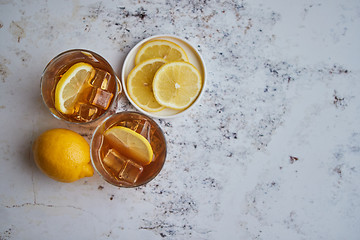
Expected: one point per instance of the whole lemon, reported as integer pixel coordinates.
(63, 155)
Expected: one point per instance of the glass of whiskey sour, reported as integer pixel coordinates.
(79, 86)
(128, 149)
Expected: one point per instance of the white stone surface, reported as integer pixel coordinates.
(272, 151)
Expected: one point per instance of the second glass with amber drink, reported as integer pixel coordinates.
(128, 149)
(79, 86)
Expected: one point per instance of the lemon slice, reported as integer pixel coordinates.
(176, 85)
(70, 85)
(130, 144)
(160, 49)
(139, 84)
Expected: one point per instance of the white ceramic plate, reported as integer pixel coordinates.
(194, 58)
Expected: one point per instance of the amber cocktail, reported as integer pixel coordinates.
(90, 99)
(115, 162)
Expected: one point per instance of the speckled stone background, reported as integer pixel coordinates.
(272, 150)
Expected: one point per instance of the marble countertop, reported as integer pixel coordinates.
(272, 150)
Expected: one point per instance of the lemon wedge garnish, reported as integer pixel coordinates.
(130, 144)
(176, 85)
(139, 84)
(167, 50)
(70, 85)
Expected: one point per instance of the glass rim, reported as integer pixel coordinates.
(118, 86)
(101, 124)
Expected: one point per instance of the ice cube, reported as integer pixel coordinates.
(138, 125)
(122, 123)
(157, 145)
(115, 161)
(89, 55)
(100, 98)
(102, 79)
(131, 172)
(132, 124)
(145, 129)
(86, 112)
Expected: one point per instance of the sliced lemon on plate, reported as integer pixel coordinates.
(139, 84)
(130, 143)
(177, 84)
(70, 85)
(167, 50)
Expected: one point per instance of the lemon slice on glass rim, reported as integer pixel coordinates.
(70, 85)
